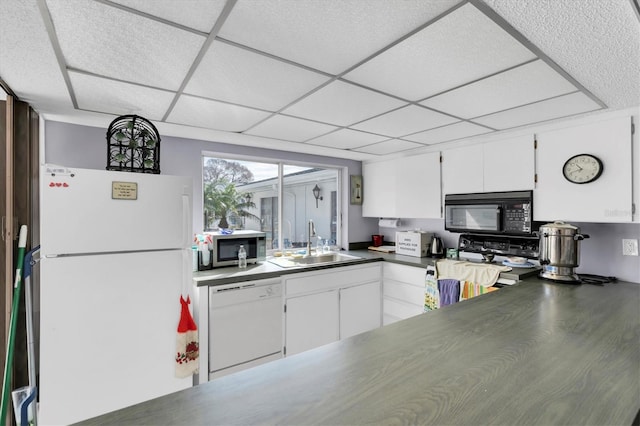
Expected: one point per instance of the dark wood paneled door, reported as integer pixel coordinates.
(19, 168)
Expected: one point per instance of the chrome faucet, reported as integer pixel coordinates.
(311, 232)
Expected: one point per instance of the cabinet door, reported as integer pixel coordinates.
(509, 165)
(360, 309)
(418, 186)
(311, 321)
(379, 188)
(462, 170)
(608, 199)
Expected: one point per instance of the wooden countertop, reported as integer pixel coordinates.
(534, 353)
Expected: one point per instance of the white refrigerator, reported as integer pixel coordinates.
(116, 256)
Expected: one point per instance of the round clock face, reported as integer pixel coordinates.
(582, 168)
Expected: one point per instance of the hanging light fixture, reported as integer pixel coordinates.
(316, 194)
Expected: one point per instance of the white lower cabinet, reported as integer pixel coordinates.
(403, 291)
(312, 321)
(360, 309)
(325, 306)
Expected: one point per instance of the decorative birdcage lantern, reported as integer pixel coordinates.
(133, 145)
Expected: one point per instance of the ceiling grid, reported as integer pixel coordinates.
(361, 78)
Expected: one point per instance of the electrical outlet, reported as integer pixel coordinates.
(629, 247)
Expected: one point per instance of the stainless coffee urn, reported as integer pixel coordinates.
(560, 251)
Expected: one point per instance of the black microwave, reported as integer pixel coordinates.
(501, 213)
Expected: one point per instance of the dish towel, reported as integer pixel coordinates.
(449, 290)
(431, 293)
(477, 273)
(469, 290)
(186, 342)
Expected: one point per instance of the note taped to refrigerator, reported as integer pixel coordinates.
(124, 190)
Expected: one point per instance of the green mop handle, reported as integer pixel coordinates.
(8, 363)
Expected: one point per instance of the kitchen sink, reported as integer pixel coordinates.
(323, 258)
(318, 259)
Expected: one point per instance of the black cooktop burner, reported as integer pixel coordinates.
(491, 245)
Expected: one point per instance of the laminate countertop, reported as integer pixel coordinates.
(266, 269)
(536, 352)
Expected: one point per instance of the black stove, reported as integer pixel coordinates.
(501, 245)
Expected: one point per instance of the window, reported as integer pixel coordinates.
(241, 194)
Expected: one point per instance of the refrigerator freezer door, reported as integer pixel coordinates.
(96, 211)
(107, 332)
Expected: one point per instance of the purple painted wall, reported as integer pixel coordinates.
(86, 147)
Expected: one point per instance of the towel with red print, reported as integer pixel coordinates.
(186, 342)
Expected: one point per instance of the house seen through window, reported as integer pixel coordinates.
(240, 194)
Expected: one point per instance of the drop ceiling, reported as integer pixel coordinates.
(351, 79)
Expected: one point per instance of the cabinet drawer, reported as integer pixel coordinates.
(403, 273)
(331, 278)
(405, 292)
(399, 309)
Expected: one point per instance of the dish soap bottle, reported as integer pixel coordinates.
(242, 257)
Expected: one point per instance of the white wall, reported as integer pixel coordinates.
(86, 147)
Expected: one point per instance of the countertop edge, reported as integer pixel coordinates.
(266, 270)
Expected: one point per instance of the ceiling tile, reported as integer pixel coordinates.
(595, 41)
(236, 75)
(200, 112)
(109, 41)
(346, 139)
(329, 36)
(463, 46)
(451, 132)
(200, 15)
(389, 147)
(343, 104)
(404, 121)
(118, 98)
(522, 85)
(562, 106)
(290, 128)
(27, 61)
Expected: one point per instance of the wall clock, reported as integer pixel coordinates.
(582, 168)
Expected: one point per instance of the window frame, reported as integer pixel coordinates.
(280, 163)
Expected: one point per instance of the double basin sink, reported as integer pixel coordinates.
(313, 260)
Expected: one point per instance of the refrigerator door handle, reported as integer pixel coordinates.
(186, 221)
(187, 253)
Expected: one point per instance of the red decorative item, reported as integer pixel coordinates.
(188, 350)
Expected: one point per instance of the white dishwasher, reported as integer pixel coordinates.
(245, 326)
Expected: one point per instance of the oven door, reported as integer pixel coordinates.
(473, 218)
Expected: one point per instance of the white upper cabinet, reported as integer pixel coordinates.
(407, 187)
(379, 189)
(504, 165)
(608, 198)
(463, 170)
(418, 186)
(509, 164)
